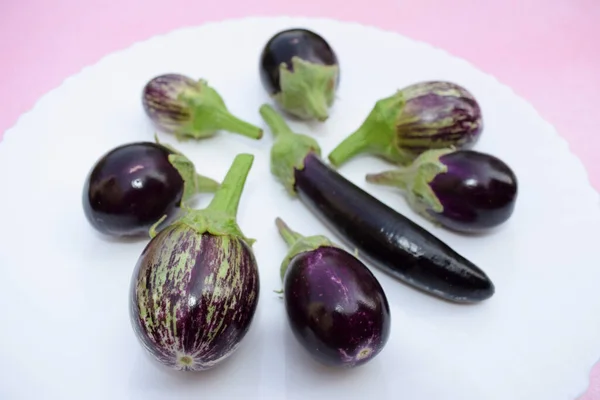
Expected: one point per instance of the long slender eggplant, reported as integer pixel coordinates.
(195, 288)
(336, 307)
(387, 239)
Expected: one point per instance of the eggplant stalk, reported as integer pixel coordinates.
(289, 148)
(193, 182)
(376, 135)
(210, 114)
(414, 181)
(308, 90)
(219, 218)
(298, 244)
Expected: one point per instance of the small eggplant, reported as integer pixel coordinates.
(384, 237)
(420, 117)
(336, 307)
(191, 109)
(195, 287)
(463, 190)
(300, 70)
(133, 186)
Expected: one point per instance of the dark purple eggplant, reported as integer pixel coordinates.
(300, 71)
(195, 287)
(464, 190)
(384, 237)
(336, 307)
(131, 187)
(419, 117)
(191, 109)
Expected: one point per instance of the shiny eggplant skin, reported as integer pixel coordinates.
(478, 191)
(336, 308)
(130, 188)
(193, 297)
(387, 239)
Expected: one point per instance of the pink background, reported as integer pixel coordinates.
(547, 50)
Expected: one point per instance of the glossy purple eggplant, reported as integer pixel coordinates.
(336, 308)
(195, 287)
(381, 235)
(463, 190)
(133, 186)
(419, 117)
(187, 108)
(300, 71)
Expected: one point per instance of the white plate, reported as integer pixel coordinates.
(65, 331)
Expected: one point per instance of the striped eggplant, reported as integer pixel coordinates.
(336, 308)
(195, 287)
(187, 108)
(419, 117)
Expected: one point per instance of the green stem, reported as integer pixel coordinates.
(205, 184)
(209, 114)
(289, 148)
(316, 104)
(276, 123)
(193, 182)
(231, 123)
(415, 180)
(400, 178)
(355, 144)
(298, 244)
(227, 197)
(287, 233)
(377, 135)
(307, 89)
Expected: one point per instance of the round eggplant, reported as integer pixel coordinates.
(300, 71)
(419, 117)
(195, 287)
(133, 186)
(464, 190)
(187, 108)
(336, 308)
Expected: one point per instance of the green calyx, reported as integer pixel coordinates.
(289, 148)
(298, 243)
(209, 114)
(308, 90)
(219, 218)
(377, 135)
(193, 183)
(414, 181)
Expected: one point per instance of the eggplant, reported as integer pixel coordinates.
(186, 108)
(134, 185)
(336, 308)
(423, 116)
(386, 238)
(465, 190)
(300, 71)
(195, 287)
